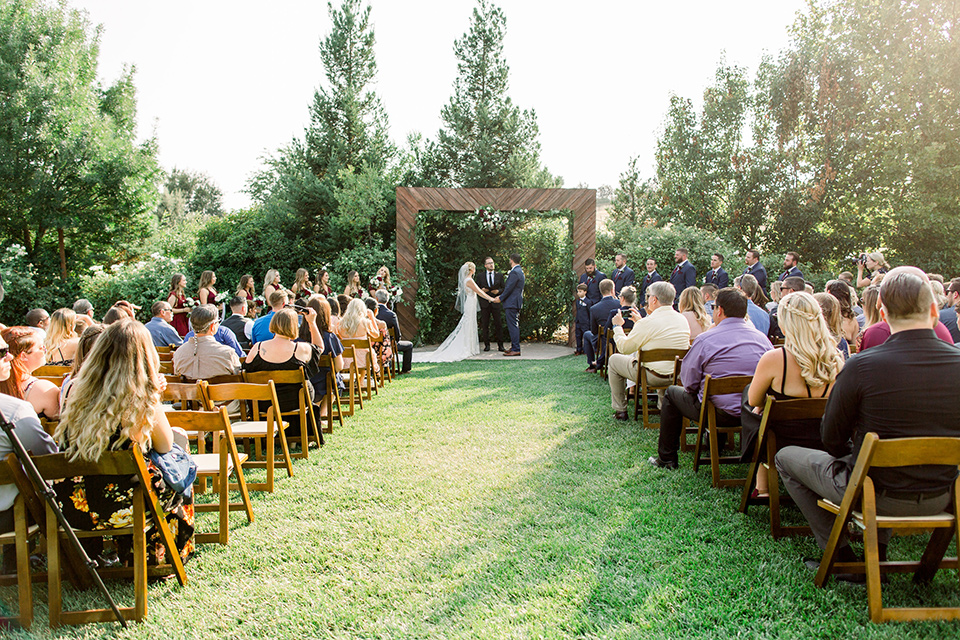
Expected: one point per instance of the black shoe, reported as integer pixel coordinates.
(813, 564)
(660, 464)
(500, 348)
(486, 348)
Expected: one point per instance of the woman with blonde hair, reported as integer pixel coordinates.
(353, 288)
(876, 265)
(775, 295)
(301, 288)
(62, 338)
(871, 312)
(271, 282)
(28, 354)
(806, 366)
(692, 308)
(114, 404)
(380, 281)
(355, 324)
(830, 308)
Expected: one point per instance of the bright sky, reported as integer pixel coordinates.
(222, 83)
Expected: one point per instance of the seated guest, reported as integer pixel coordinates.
(84, 310)
(878, 332)
(939, 294)
(691, 307)
(731, 348)
(904, 387)
(88, 338)
(356, 325)
(200, 356)
(26, 348)
(38, 320)
(663, 328)
(224, 336)
(844, 294)
(261, 326)
(831, 315)
(709, 294)
(405, 347)
(114, 404)
(948, 315)
(599, 313)
(334, 313)
(804, 367)
(846, 276)
(23, 417)
(238, 323)
(331, 346)
(128, 308)
(114, 314)
(775, 295)
(61, 342)
(161, 331)
(756, 302)
(628, 300)
(382, 344)
(789, 285)
(282, 352)
(344, 302)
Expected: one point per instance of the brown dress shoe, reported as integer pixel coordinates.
(511, 353)
(621, 415)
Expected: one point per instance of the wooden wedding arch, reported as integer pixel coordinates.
(412, 200)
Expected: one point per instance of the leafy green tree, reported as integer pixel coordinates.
(188, 193)
(486, 140)
(75, 186)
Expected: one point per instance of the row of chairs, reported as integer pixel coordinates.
(859, 502)
(222, 413)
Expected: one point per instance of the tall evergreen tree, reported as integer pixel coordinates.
(486, 140)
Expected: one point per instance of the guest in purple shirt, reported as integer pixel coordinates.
(731, 348)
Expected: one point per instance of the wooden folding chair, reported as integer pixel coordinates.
(167, 349)
(172, 378)
(644, 387)
(382, 372)
(708, 416)
(304, 409)
(112, 463)
(165, 357)
(166, 368)
(52, 370)
(777, 411)
(217, 466)
(189, 396)
(353, 378)
(332, 397)
(57, 380)
(363, 344)
(253, 427)
(898, 452)
(20, 538)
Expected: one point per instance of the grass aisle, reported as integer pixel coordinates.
(501, 500)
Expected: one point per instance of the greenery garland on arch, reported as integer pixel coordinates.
(447, 239)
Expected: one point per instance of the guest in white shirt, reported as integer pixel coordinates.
(663, 328)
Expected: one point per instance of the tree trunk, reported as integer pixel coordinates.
(63, 254)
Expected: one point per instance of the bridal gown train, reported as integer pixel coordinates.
(463, 341)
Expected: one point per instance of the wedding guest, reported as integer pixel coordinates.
(334, 313)
(592, 278)
(246, 288)
(28, 354)
(849, 326)
(353, 289)
(271, 283)
(599, 313)
(88, 338)
(875, 264)
(787, 286)
(28, 428)
(161, 331)
(323, 283)
(404, 347)
(61, 342)
(127, 308)
(731, 348)
(344, 302)
(948, 315)
(238, 323)
(200, 356)
(692, 309)
(331, 346)
(84, 310)
(663, 328)
(806, 366)
(939, 294)
(709, 293)
(382, 346)
(756, 302)
(38, 320)
(177, 301)
(831, 314)
(114, 314)
(302, 287)
(355, 324)
(775, 296)
(222, 335)
(114, 404)
(261, 327)
(206, 294)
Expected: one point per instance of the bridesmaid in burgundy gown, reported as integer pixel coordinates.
(177, 299)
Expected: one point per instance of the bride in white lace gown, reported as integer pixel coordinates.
(464, 340)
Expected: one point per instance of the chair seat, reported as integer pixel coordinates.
(941, 519)
(209, 463)
(11, 537)
(249, 428)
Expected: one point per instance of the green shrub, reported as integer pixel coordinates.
(142, 283)
(22, 293)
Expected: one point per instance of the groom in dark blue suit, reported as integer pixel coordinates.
(512, 301)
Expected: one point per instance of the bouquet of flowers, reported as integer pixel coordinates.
(376, 282)
(259, 301)
(190, 303)
(396, 294)
(222, 297)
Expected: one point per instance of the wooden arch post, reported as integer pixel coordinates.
(412, 200)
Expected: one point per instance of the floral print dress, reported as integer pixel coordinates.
(94, 503)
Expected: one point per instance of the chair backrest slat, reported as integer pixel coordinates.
(661, 355)
(799, 409)
(56, 466)
(240, 391)
(907, 452)
(724, 386)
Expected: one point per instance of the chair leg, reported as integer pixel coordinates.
(872, 555)
(932, 555)
(24, 585)
(714, 448)
(697, 446)
(285, 448)
(53, 568)
(223, 535)
(139, 557)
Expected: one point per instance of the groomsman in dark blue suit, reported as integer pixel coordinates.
(790, 269)
(512, 301)
(651, 277)
(623, 275)
(755, 268)
(592, 278)
(684, 274)
(717, 276)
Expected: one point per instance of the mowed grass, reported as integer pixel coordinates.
(501, 500)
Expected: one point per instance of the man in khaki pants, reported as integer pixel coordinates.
(663, 328)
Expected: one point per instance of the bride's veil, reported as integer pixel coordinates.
(462, 286)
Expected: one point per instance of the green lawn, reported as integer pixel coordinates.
(501, 500)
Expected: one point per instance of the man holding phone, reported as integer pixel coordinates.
(662, 328)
